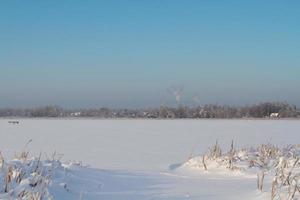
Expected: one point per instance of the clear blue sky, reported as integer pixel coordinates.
(129, 53)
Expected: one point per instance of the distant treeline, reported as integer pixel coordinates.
(261, 110)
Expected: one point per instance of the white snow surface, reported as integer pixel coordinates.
(137, 159)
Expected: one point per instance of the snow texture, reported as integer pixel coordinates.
(135, 159)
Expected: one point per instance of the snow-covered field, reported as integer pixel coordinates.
(139, 159)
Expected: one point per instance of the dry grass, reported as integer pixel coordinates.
(26, 178)
(278, 166)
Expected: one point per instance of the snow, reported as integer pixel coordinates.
(271, 164)
(141, 159)
(71, 181)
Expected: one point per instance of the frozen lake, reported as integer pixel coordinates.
(130, 158)
(139, 144)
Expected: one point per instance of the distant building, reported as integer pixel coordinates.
(75, 114)
(274, 115)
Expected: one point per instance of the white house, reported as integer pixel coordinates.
(76, 114)
(274, 115)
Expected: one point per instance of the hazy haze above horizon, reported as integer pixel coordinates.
(142, 53)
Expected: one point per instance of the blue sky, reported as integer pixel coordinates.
(130, 53)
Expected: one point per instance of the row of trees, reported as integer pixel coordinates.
(262, 110)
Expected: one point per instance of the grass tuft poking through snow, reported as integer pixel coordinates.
(27, 178)
(280, 166)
